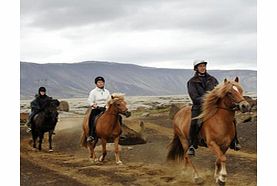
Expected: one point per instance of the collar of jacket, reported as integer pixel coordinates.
(196, 77)
(100, 89)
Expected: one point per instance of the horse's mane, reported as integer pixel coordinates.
(211, 98)
(115, 97)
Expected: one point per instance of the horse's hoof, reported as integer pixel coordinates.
(220, 183)
(198, 180)
(51, 150)
(93, 160)
(34, 149)
(101, 159)
(119, 163)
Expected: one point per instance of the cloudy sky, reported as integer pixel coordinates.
(156, 33)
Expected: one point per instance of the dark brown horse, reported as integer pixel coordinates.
(45, 121)
(107, 127)
(218, 130)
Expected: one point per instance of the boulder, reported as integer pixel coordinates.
(130, 136)
(64, 106)
(174, 108)
(252, 102)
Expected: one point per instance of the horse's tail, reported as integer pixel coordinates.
(84, 140)
(176, 151)
(85, 128)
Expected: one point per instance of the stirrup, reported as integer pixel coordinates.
(191, 150)
(28, 130)
(237, 147)
(90, 139)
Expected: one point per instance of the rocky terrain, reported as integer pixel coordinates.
(143, 164)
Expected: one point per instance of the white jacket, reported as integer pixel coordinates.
(99, 96)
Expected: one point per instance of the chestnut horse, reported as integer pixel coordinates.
(107, 127)
(218, 129)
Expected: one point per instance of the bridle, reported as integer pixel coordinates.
(117, 109)
(234, 104)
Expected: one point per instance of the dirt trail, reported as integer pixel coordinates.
(143, 164)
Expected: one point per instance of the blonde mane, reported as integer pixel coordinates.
(115, 97)
(211, 98)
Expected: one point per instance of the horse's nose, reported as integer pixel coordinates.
(244, 106)
(127, 114)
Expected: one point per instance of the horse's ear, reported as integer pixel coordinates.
(58, 103)
(237, 79)
(225, 80)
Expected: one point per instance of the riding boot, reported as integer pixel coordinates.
(193, 137)
(90, 138)
(235, 142)
(120, 120)
(29, 122)
(28, 125)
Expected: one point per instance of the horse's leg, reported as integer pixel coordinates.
(91, 147)
(104, 150)
(217, 169)
(34, 135)
(223, 171)
(40, 140)
(116, 151)
(50, 140)
(221, 160)
(185, 144)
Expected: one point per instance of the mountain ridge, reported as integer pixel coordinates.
(72, 80)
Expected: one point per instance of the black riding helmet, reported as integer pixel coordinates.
(99, 78)
(42, 89)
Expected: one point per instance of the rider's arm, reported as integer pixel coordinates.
(193, 93)
(91, 99)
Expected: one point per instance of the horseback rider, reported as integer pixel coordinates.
(97, 99)
(197, 86)
(37, 105)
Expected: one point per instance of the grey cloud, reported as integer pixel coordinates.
(209, 16)
(53, 14)
(230, 26)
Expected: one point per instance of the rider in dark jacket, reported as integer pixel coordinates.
(37, 105)
(197, 86)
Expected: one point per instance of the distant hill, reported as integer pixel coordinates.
(64, 80)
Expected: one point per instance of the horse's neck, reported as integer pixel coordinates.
(225, 104)
(112, 111)
(225, 109)
(48, 114)
(113, 115)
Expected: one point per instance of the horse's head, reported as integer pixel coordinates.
(52, 105)
(234, 95)
(120, 105)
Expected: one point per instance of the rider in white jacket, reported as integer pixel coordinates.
(97, 99)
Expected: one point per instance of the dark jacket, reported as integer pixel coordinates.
(198, 86)
(39, 103)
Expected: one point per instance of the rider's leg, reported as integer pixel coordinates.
(91, 119)
(120, 120)
(29, 121)
(194, 129)
(235, 143)
(92, 132)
